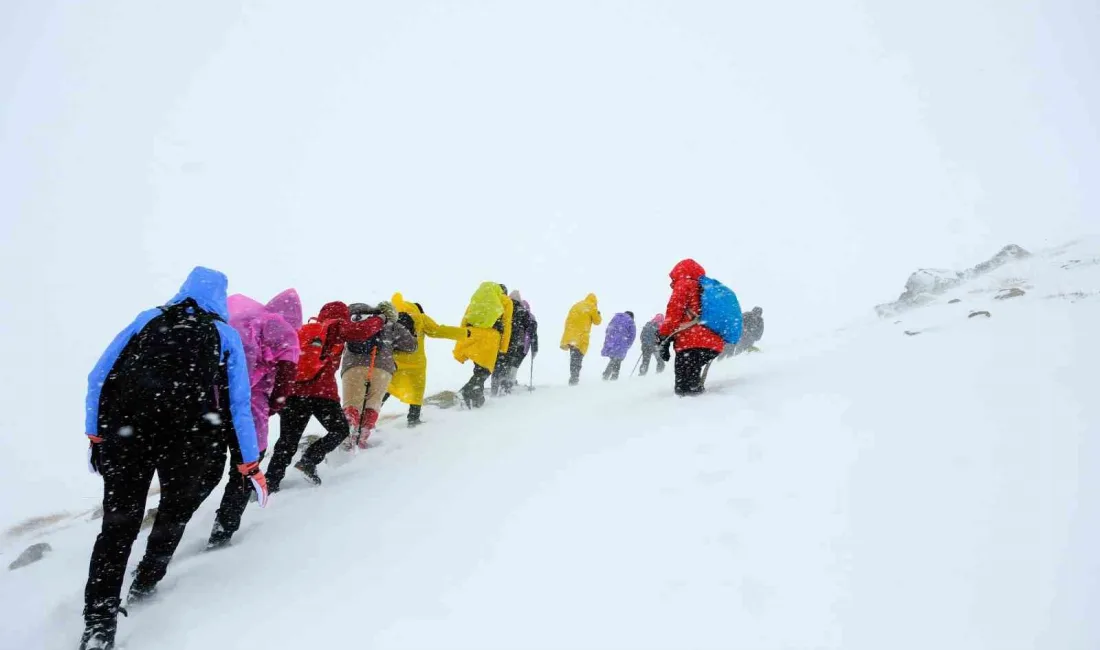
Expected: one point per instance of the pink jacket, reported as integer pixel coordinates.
(270, 335)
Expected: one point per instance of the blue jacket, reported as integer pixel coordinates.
(207, 288)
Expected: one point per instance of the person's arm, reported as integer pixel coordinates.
(103, 367)
(403, 340)
(240, 393)
(506, 334)
(285, 372)
(437, 331)
(675, 312)
(596, 317)
(361, 330)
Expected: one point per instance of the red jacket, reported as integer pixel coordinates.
(341, 331)
(685, 306)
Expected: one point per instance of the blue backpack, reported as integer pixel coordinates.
(721, 310)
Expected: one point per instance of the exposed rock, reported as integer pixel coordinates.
(35, 524)
(444, 399)
(150, 517)
(1005, 294)
(1009, 253)
(980, 313)
(30, 555)
(954, 300)
(925, 284)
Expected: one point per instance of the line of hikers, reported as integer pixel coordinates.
(191, 383)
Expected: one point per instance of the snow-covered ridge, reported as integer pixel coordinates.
(926, 480)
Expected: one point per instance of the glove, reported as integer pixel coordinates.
(94, 461)
(251, 472)
(666, 349)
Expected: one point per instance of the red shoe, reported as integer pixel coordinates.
(352, 415)
(370, 418)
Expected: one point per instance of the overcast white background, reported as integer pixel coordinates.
(810, 154)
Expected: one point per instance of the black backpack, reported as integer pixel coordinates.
(406, 320)
(174, 363)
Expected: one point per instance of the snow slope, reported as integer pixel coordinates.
(865, 489)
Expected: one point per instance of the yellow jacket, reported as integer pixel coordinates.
(483, 344)
(411, 378)
(578, 325)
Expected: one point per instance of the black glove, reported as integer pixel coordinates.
(95, 464)
(666, 349)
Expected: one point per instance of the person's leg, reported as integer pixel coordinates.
(616, 365)
(643, 366)
(607, 371)
(576, 359)
(379, 384)
(331, 417)
(189, 466)
(660, 362)
(414, 415)
(292, 424)
(703, 359)
(498, 375)
(227, 520)
(682, 367)
(354, 382)
(127, 469)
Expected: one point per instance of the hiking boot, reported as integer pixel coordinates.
(310, 471)
(140, 593)
(219, 537)
(100, 625)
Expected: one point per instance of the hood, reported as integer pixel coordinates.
(515, 296)
(659, 318)
(591, 299)
(288, 306)
(401, 304)
(241, 306)
(206, 287)
(757, 310)
(687, 269)
(334, 310)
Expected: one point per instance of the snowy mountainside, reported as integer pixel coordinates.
(925, 480)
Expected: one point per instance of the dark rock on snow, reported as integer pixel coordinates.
(1009, 293)
(980, 313)
(32, 554)
(925, 284)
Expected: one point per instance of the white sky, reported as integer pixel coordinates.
(809, 154)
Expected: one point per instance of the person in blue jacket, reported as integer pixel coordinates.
(164, 398)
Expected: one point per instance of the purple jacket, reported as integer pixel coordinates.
(619, 336)
(269, 334)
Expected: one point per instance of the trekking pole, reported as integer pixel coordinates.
(703, 377)
(531, 383)
(637, 363)
(366, 393)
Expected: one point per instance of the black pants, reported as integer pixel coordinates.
(576, 359)
(292, 424)
(227, 520)
(414, 410)
(474, 391)
(188, 463)
(689, 370)
(648, 353)
(612, 371)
